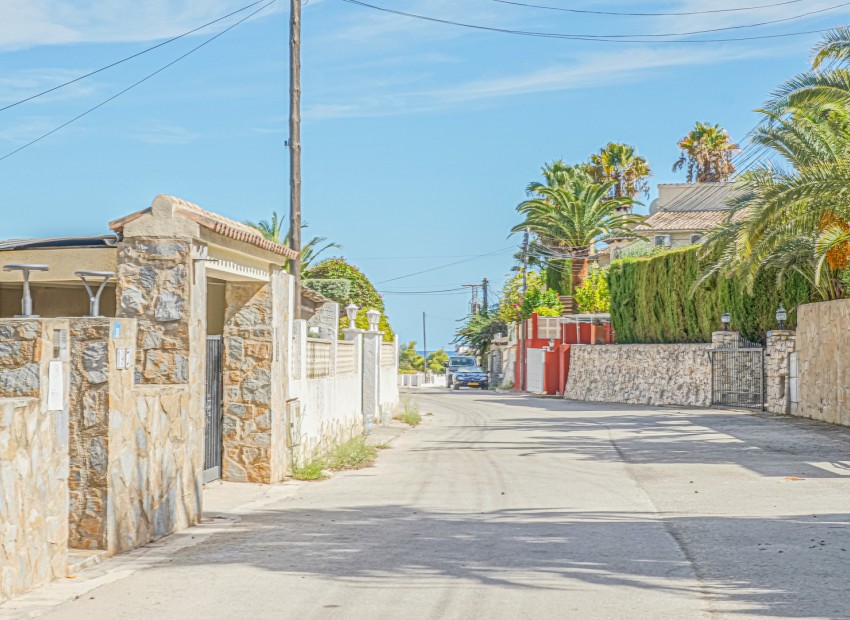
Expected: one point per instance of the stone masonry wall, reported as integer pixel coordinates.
(33, 456)
(89, 432)
(823, 358)
(780, 345)
(153, 287)
(134, 466)
(654, 374)
(20, 353)
(249, 347)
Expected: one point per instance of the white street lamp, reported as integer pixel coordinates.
(351, 312)
(373, 316)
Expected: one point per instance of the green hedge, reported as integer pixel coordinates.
(338, 289)
(652, 300)
(559, 276)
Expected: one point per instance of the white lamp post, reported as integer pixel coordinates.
(351, 312)
(373, 316)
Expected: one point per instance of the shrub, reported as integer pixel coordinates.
(593, 295)
(338, 289)
(654, 300)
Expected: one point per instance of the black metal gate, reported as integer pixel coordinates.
(213, 411)
(737, 378)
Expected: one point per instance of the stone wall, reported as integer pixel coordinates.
(651, 374)
(153, 287)
(780, 345)
(33, 455)
(134, 450)
(823, 357)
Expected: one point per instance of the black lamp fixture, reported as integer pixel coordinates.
(781, 316)
(726, 319)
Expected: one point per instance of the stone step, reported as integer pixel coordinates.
(81, 559)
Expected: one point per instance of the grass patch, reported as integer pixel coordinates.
(409, 413)
(353, 454)
(311, 470)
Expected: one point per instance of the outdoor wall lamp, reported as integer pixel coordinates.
(94, 296)
(26, 300)
(726, 320)
(351, 312)
(373, 316)
(781, 316)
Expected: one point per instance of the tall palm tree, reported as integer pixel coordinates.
(706, 153)
(310, 251)
(571, 218)
(621, 164)
(794, 211)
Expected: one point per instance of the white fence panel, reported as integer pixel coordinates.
(536, 367)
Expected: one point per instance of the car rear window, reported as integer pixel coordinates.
(461, 361)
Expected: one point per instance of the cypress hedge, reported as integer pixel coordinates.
(653, 300)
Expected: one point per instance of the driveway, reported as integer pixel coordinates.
(505, 507)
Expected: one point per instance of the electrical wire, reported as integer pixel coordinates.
(659, 14)
(131, 57)
(434, 292)
(410, 275)
(577, 37)
(721, 29)
(137, 83)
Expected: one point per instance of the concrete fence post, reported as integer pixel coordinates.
(372, 341)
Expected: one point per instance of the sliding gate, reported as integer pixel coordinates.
(737, 377)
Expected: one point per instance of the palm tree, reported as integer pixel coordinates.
(793, 212)
(571, 218)
(310, 251)
(621, 164)
(706, 152)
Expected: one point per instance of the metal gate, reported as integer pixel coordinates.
(737, 377)
(213, 411)
(535, 363)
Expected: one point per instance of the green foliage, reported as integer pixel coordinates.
(362, 293)
(437, 361)
(353, 454)
(559, 275)
(409, 412)
(544, 302)
(409, 360)
(512, 308)
(338, 289)
(593, 295)
(478, 332)
(314, 469)
(655, 300)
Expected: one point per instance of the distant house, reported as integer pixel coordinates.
(681, 215)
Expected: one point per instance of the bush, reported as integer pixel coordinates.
(338, 289)
(653, 300)
(361, 292)
(593, 295)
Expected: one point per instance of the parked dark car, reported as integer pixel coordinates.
(470, 376)
(456, 363)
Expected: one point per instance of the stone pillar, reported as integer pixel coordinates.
(372, 341)
(254, 381)
(780, 345)
(725, 340)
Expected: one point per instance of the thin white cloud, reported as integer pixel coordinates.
(30, 23)
(597, 70)
(155, 132)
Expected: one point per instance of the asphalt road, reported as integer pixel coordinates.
(504, 507)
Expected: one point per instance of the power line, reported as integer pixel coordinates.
(410, 275)
(144, 79)
(444, 291)
(131, 57)
(738, 27)
(579, 37)
(660, 14)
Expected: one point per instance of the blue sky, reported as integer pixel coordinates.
(419, 138)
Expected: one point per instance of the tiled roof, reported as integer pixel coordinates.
(671, 221)
(212, 221)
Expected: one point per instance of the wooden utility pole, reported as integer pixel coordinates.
(425, 349)
(295, 149)
(523, 370)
